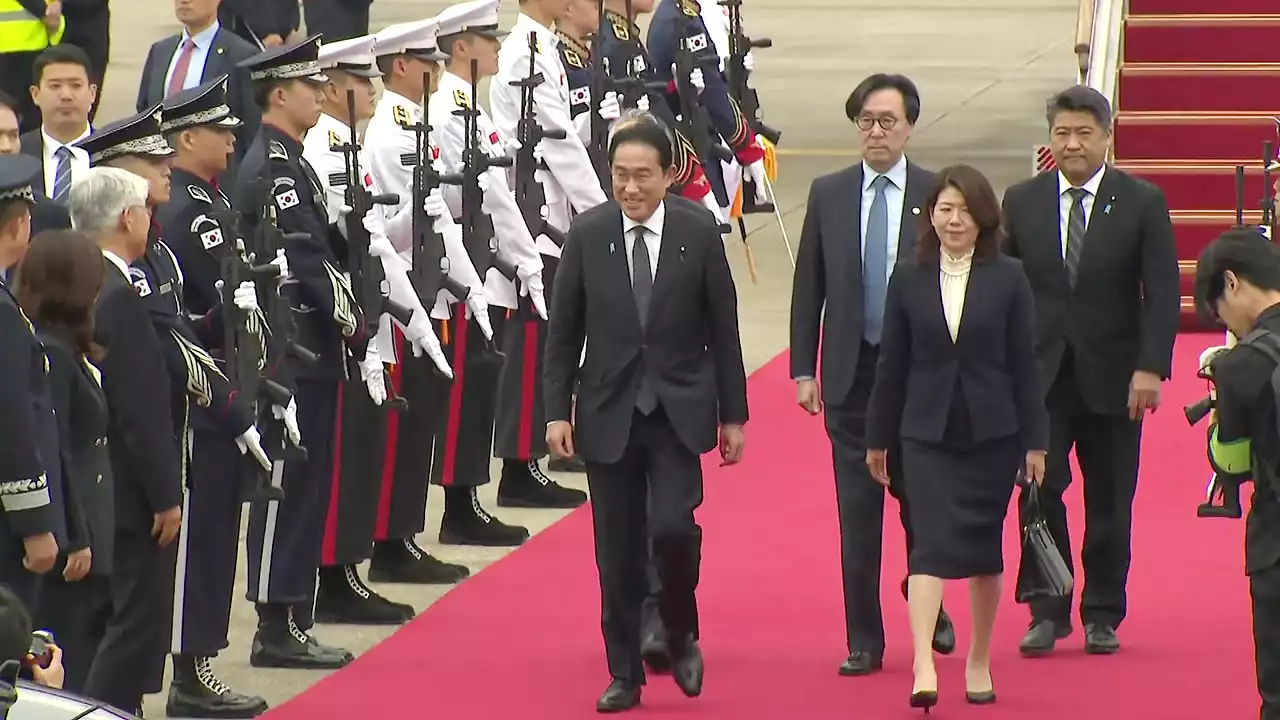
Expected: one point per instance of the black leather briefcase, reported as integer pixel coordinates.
(1055, 576)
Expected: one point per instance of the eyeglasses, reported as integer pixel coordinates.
(886, 122)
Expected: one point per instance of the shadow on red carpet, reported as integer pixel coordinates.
(521, 640)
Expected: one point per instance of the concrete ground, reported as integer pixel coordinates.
(984, 68)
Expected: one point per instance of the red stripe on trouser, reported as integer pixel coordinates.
(393, 435)
(452, 427)
(528, 387)
(329, 548)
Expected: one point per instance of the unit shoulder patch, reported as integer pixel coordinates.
(276, 151)
(197, 193)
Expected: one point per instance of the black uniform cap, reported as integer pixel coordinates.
(137, 135)
(287, 62)
(16, 174)
(204, 105)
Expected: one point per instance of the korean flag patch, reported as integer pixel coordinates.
(285, 193)
(139, 281)
(205, 228)
(580, 96)
(698, 42)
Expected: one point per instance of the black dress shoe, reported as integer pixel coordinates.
(466, 523)
(944, 634)
(278, 645)
(1100, 639)
(618, 697)
(344, 599)
(524, 485)
(1042, 637)
(402, 561)
(197, 693)
(686, 670)
(861, 663)
(655, 653)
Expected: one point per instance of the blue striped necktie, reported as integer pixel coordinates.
(62, 173)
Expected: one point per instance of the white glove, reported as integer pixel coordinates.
(755, 173)
(1210, 354)
(373, 374)
(479, 307)
(434, 205)
(288, 416)
(532, 287)
(511, 147)
(538, 155)
(695, 78)
(245, 297)
(282, 262)
(749, 61)
(422, 339)
(250, 443)
(643, 103)
(380, 247)
(709, 201)
(610, 108)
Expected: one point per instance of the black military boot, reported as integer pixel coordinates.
(567, 465)
(280, 643)
(466, 523)
(524, 485)
(344, 599)
(402, 561)
(197, 693)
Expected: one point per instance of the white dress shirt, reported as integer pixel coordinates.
(79, 158)
(894, 197)
(1065, 201)
(953, 280)
(203, 41)
(652, 237)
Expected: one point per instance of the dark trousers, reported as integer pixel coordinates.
(402, 500)
(131, 658)
(650, 492)
(285, 536)
(208, 545)
(519, 428)
(860, 503)
(462, 441)
(77, 614)
(360, 449)
(20, 581)
(1264, 592)
(337, 19)
(1107, 449)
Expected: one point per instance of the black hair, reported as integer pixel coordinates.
(984, 208)
(57, 55)
(6, 100)
(1243, 251)
(262, 90)
(1080, 98)
(884, 81)
(645, 129)
(15, 627)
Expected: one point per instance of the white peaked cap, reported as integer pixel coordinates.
(417, 39)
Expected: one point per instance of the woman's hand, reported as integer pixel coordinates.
(878, 464)
(1035, 467)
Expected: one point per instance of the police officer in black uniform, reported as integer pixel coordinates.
(1238, 283)
(285, 537)
(198, 226)
(31, 510)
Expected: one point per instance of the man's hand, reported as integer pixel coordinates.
(52, 16)
(479, 308)
(532, 286)
(809, 396)
(78, 565)
(878, 464)
(166, 524)
(272, 40)
(40, 553)
(281, 262)
(1144, 394)
(755, 172)
(288, 416)
(250, 443)
(732, 441)
(610, 107)
(560, 438)
(422, 340)
(373, 374)
(54, 675)
(1035, 466)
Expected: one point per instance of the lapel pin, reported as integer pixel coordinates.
(1107, 210)
(611, 248)
(915, 211)
(219, 51)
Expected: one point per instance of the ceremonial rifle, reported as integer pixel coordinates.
(736, 70)
(1268, 222)
(530, 195)
(693, 117)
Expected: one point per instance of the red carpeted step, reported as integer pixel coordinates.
(1199, 186)
(1203, 88)
(1202, 7)
(1225, 138)
(1203, 39)
(1194, 230)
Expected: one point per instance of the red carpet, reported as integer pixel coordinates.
(1189, 186)
(1215, 88)
(521, 640)
(1200, 7)
(1186, 39)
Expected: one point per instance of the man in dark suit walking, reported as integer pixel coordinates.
(1105, 278)
(644, 282)
(203, 51)
(63, 89)
(887, 192)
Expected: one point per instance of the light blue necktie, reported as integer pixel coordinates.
(62, 173)
(875, 263)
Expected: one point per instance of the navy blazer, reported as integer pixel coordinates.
(993, 358)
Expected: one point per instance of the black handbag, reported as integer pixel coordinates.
(1055, 576)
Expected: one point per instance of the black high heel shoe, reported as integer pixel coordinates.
(984, 697)
(924, 699)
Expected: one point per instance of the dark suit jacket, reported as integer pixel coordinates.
(1123, 314)
(828, 275)
(46, 214)
(228, 49)
(144, 457)
(689, 349)
(992, 358)
(256, 19)
(81, 409)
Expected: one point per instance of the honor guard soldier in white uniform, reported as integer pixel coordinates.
(409, 61)
(498, 241)
(199, 226)
(31, 507)
(569, 184)
(349, 528)
(285, 536)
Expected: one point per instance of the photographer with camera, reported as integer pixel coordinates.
(36, 651)
(1238, 285)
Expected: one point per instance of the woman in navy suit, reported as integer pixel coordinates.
(57, 285)
(957, 385)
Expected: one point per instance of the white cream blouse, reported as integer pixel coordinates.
(953, 278)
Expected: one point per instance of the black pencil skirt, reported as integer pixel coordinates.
(959, 495)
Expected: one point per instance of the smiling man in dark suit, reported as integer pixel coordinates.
(859, 222)
(1105, 278)
(644, 282)
(203, 51)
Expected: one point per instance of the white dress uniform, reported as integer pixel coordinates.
(571, 185)
(715, 18)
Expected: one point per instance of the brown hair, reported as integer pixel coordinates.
(58, 283)
(983, 208)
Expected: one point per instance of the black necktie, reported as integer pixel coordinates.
(1075, 232)
(642, 287)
